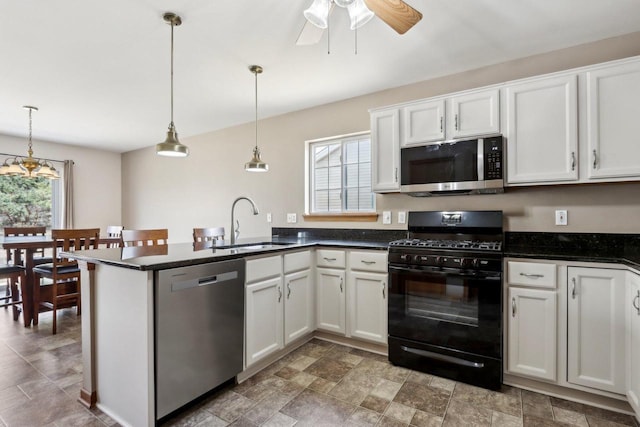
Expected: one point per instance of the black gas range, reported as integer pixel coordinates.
(445, 296)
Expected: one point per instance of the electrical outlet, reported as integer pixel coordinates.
(292, 218)
(386, 217)
(269, 217)
(561, 217)
(402, 217)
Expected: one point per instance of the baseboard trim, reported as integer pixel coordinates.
(88, 399)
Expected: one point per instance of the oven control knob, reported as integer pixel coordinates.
(439, 260)
(405, 257)
(465, 262)
(475, 263)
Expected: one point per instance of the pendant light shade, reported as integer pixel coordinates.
(318, 13)
(359, 14)
(256, 164)
(171, 147)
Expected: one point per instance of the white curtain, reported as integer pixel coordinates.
(67, 212)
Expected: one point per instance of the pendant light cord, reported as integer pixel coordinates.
(30, 132)
(172, 25)
(256, 73)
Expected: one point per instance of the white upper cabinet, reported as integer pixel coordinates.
(471, 114)
(385, 150)
(542, 130)
(423, 122)
(612, 120)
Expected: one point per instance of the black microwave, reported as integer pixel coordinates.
(472, 166)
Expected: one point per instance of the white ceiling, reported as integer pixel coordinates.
(99, 70)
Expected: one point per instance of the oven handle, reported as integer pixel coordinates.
(443, 357)
(444, 273)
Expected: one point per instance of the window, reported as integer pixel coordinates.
(339, 175)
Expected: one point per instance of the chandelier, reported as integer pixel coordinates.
(29, 166)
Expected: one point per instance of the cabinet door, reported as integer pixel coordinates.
(632, 305)
(331, 300)
(368, 306)
(264, 333)
(532, 326)
(298, 305)
(474, 114)
(612, 121)
(595, 330)
(385, 150)
(422, 122)
(542, 130)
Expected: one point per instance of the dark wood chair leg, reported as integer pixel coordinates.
(15, 296)
(36, 297)
(54, 300)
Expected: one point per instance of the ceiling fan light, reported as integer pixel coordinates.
(343, 3)
(318, 13)
(359, 14)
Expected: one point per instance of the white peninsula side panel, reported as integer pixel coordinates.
(123, 334)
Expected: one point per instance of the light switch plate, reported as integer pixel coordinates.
(561, 217)
(386, 217)
(269, 217)
(402, 217)
(292, 218)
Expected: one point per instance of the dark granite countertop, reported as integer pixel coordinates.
(184, 254)
(585, 247)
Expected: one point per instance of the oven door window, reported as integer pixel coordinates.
(447, 309)
(438, 163)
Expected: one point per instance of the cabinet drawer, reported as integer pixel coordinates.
(330, 258)
(368, 261)
(297, 261)
(536, 274)
(263, 268)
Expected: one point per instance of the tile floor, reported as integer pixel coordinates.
(320, 384)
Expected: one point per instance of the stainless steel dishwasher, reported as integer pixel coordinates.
(199, 330)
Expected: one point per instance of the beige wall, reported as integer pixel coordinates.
(199, 190)
(97, 178)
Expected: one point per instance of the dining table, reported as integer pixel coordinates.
(30, 245)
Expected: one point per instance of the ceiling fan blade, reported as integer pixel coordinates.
(309, 35)
(395, 13)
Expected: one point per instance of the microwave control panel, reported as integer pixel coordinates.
(493, 158)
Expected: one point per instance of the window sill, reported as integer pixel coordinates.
(349, 217)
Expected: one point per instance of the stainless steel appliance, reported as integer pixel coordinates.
(445, 296)
(199, 330)
(471, 166)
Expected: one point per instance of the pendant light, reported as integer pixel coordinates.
(255, 164)
(171, 147)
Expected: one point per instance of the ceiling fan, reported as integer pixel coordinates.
(395, 13)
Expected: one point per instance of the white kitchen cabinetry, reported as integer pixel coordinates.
(542, 130)
(331, 291)
(264, 308)
(532, 319)
(299, 296)
(612, 121)
(367, 287)
(632, 308)
(596, 328)
(473, 113)
(385, 150)
(423, 122)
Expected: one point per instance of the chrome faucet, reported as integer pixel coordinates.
(235, 229)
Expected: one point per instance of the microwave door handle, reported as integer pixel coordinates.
(480, 159)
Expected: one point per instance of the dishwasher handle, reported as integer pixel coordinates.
(203, 281)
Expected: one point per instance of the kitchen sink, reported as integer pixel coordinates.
(246, 247)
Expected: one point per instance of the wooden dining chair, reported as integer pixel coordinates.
(145, 237)
(14, 274)
(39, 255)
(64, 291)
(206, 234)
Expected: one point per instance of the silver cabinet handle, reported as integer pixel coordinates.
(634, 302)
(367, 262)
(279, 294)
(573, 288)
(456, 122)
(441, 123)
(341, 285)
(288, 290)
(532, 276)
(595, 159)
(328, 259)
(573, 160)
(396, 174)
(384, 285)
(513, 307)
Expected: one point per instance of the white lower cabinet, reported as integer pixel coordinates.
(596, 328)
(331, 300)
(532, 329)
(298, 305)
(264, 317)
(632, 308)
